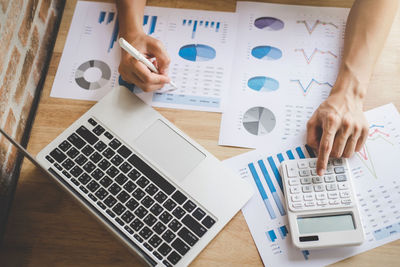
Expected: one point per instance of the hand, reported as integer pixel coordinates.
(134, 71)
(337, 128)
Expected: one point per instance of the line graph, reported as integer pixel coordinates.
(315, 51)
(307, 88)
(311, 28)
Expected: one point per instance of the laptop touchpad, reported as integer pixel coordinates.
(166, 148)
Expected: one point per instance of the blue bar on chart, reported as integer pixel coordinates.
(387, 231)
(310, 151)
(305, 253)
(217, 27)
(290, 154)
(261, 190)
(280, 157)
(153, 24)
(102, 16)
(212, 24)
(272, 189)
(300, 153)
(276, 172)
(283, 231)
(206, 24)
(145, 19)
(110, 17)
(197, 24)
(271, 235)
(114, 35)
(194, 29)
(190, 22)
(201, 23)
(184, 22)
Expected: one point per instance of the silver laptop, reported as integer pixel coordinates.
(162, 194)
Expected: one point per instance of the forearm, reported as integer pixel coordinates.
(367, 27)
(130, 16)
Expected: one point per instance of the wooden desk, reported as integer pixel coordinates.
(46, 228)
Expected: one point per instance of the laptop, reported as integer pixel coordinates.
(158, 191)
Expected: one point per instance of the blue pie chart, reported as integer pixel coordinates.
(269, 24)
(263, 84)
(266, 52)
(197, 52)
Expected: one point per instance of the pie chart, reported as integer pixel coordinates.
(104, 77)
(263, 84)
(197, 52)
(269, 24)
(266, 52)
(259, 121)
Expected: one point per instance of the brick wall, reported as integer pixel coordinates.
(28, 30)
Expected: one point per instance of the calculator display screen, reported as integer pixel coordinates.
(308, 225)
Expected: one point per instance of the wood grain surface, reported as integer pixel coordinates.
(47, 228)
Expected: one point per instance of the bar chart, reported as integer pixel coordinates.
(108, 17)
(196, 24)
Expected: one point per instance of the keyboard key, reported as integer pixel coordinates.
(87, 135)
(119, 221)
(117, 160)
(108, 135)
(66, 174)
(136, 225)
(132, 204)
(339, 178)
(80, 160)
(101, 205)
(128, 229)
(138, 238)
(129, 186)
(68, 164)
(164, 249)
(169, 204)
(121, 179)
(95, 157)
(193, 225)
(112, 171)
(97, 174)
(87, 150)
(92, 122)
(75, 182)
(157, 179)
(114, 144)
(84, 178)
(160, 197)
(72, 153)
(100, 146)
(76, 141)
(145, 232)
(147, 202)
(199, 214)
(125, 167)
(174, 225)
(178, 212)
(114, 189)
(156, 209)
(142, 182)
(180, 246)
(138, 194)
(49, 159)
(339, 170)
(141, 212)
(165, 217)
(106, 181)
(109, 212)
(159, 228)
(64, 146)
(208, 222)
(124, 151)
(119, 209)
(167, 264)
(179, 197)
(104, 164)
(108, 153)
(123, 196)
(155, 241)
(317, 180)
(331, 187)
(93, 186)
(89, 167)
(76, 171)
(189, 206)
(158, 256)
(187, 236)
(83, 189)
(337, 162)
(110, 201)
(150, 220)
(98, 130)
(168, 236)
(101, 193)
(151, 189)
(149, 248)
(174, 257)
(304, 173)
(58, 155)
(134, 174)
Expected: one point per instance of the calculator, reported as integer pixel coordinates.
(322, 210)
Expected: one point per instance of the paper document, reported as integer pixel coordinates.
(199, 43)
(376, 182)
(286, 62)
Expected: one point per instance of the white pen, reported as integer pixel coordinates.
(139, 56)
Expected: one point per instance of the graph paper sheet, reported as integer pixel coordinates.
(286, 62)
(376, 182)
(199, 43)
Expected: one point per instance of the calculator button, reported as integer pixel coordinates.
(317, 180)
(296, 198)
(319, 188)
(338, 162)
(294, 189)
(334, 202)
(314, 172)
(331, 187)
(329, 178)
(302, 164)
(291, 171)
(339, 170)
(297, 205)
(304, 173)
(330, 162)
(341, 178)
(322, 203)
(333, 195)
(306, 188)
(309, 203)
(346, 201)
(308, 197)
(329, 170)
(312, 164)
(294, 182)
(343, 186)
(320, 196)
(345, 194)
(306, 180)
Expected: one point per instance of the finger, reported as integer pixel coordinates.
(329, 131)
(146, 75)
(351, 145)
(341, 139)
(313, 132)
(157, 49)
(130, 77)
(362, 139)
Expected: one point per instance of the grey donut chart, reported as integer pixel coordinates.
(85, 84)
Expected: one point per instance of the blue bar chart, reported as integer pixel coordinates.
(271, 236)
(283, 231)
(200, 23)
(150, 22)
(108, 17)
(276, 172)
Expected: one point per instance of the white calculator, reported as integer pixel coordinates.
(322, 210)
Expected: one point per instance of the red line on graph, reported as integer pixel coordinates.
(316, 50)
(363, 153)
(311, 29)
(378, 131)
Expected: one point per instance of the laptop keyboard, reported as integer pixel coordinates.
(148, 208)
